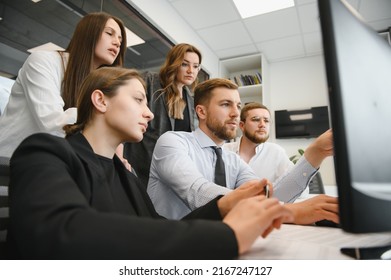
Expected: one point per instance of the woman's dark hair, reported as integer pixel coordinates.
(81, 51)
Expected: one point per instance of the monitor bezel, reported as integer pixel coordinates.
(359, 213)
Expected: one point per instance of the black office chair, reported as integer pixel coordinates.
(4, 214)
(316, 185)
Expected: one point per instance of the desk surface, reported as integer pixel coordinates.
(311, 243)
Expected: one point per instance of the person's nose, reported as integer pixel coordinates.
(261, 123)
(189, 69)
(235, 112)
(148, 114)
(117, 42)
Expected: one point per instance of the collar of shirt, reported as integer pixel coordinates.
(203, 139)
(257, 149)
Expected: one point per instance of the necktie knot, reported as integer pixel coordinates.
(219, 168)
(218, 151)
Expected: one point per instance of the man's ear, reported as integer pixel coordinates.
(241, 125)
(201, 111)
(99, 100)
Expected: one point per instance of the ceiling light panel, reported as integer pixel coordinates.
(249, 8)
(132, 39)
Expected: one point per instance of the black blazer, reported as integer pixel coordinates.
(61, 207)
(139, 154)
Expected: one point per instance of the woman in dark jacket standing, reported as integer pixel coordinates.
(170, 99)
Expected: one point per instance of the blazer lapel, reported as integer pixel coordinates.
(99, 196)
(136, 193)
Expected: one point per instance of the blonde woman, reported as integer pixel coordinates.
(170, 98)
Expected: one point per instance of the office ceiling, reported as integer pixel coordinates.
(25, 24)
(285, 34)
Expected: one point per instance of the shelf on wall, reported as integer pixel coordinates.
(248, 65)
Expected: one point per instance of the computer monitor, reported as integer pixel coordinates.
(358, 67)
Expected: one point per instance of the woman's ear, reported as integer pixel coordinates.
(201, 111)
(99, 100)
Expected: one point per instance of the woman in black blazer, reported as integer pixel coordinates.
(170, 98)
(74, 199)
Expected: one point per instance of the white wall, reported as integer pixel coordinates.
(162, 15)
(300, 84)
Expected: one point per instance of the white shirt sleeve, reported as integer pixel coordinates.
(41, 78)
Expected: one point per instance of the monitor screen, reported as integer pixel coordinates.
(358, 67)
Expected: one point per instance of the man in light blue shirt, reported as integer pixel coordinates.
(182, 169)
(182, 172)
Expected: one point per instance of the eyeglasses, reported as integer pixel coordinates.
(195, 66)
(258, 119)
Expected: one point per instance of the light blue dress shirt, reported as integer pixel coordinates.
(182, 173)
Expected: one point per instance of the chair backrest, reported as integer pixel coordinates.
(4, 214)
(316, 185)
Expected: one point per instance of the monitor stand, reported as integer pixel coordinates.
(369, 253)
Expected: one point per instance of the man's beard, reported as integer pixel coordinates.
(221, 131)
(255, 138)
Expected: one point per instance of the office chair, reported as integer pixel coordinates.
(4, 214)
(316, 185)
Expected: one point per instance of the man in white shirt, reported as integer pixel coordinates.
(182, 169)
(269, 160)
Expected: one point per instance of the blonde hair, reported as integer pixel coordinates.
(167, 76)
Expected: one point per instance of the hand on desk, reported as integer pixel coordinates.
(320, 207)
(255, 216)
